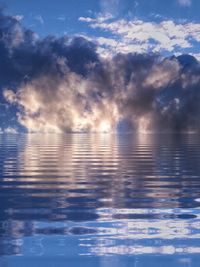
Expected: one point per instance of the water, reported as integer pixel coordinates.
(99, 200)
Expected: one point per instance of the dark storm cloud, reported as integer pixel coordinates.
(63, 84)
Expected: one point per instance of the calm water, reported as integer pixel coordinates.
(99, 200)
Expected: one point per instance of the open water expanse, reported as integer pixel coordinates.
(99, 200)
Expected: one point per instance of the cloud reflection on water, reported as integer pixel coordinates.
(98, 195)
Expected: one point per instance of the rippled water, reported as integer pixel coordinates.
(99, 200)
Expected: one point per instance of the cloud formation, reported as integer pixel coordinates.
(65, 85)
(144, 36)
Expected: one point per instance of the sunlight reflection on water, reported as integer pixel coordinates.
(100, 199)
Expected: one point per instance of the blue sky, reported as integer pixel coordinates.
(67, 17)
(62, 15)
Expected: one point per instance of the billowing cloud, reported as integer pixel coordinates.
(55, 104)
(65, 85)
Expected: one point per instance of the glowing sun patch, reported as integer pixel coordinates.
(104, 127)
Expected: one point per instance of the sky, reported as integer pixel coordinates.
(99, 65)
(171, 26)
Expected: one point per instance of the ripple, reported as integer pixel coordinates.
(99, 195)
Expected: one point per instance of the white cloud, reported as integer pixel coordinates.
(185, 2)
(8, 130)
(197, 56)
(19, 17)
(86, 19)
(107, 41)
(142, 36)
(101, 18)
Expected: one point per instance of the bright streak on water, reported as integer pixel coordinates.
(99, 200)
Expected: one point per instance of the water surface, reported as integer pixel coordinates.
(99, 200)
